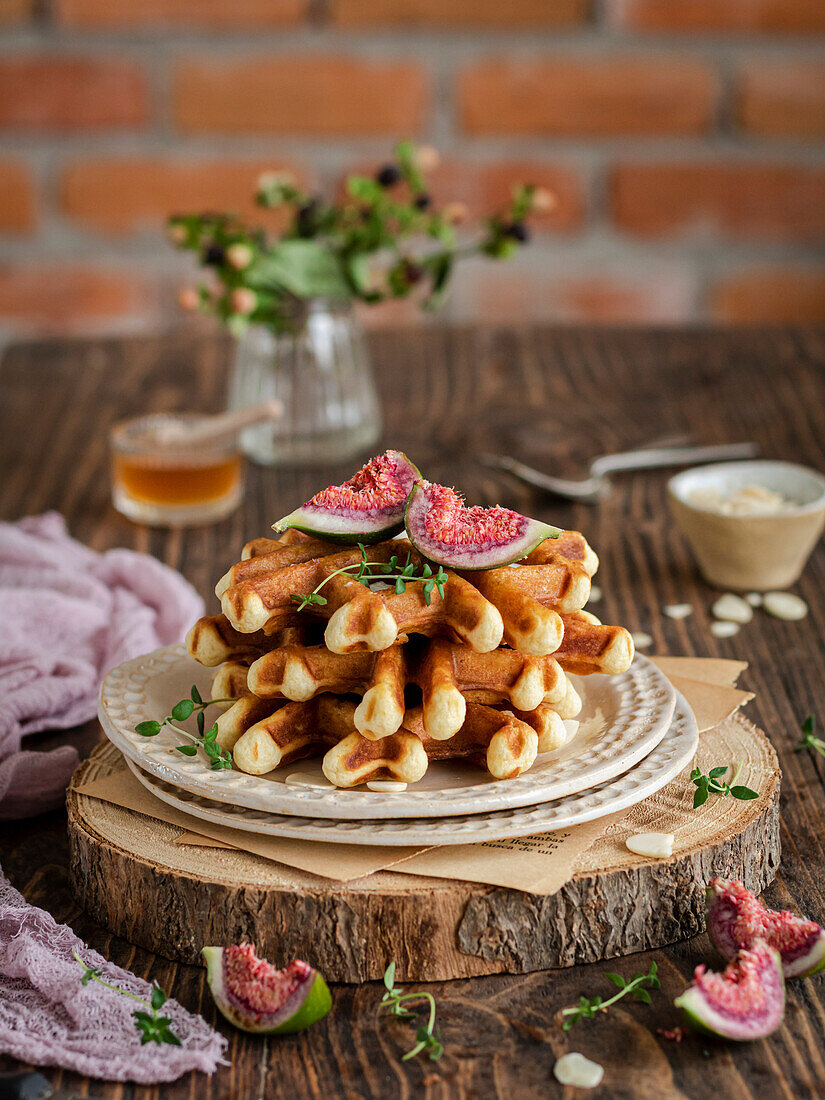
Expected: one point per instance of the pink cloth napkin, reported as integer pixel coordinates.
(68, 615)
(47, 1018)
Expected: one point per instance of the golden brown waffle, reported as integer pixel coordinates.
(441, 669)
(497, 740)
(380, 682)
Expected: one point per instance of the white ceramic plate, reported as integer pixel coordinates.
(671, 755)
(622, 720)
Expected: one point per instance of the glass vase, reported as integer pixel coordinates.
(318, 367)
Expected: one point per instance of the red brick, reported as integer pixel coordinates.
(52, 299)
(587, 96)
(766, 16)
(301, 95)
(15, 11)
(119, 195)
(500, 295)
(215, 14)
(760, 201)
(458, 13)
(17, 205)
(771, 296)
(783, 99)
(486, 188)
(71, 93)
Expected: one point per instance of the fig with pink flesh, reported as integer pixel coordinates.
(256, 997)
(367, 508)
(443, 529)
(746, 1001)
(736, 917)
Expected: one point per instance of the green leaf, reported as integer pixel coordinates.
(714, 773)
(211, 733)
(148, 729)
(201, 721)
(187, 750)
(389, 976)
(182, 710)
(305, 268)
(700, 797)
(695, 773)
(643, 996)
(159, 997)
(809, 725)
(196, 695)
(617, 979)
(400, 586)
(744, 793)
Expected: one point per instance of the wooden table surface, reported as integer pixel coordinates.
(558, 397)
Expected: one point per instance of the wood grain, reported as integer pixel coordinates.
(555, 397)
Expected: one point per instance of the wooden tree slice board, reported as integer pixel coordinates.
(172, 899)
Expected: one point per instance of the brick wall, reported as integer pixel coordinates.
(684, 138)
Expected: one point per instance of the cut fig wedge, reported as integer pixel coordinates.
(368, 508)
(256, 997)
(746, 1001)
(736, 918)
(445, 531)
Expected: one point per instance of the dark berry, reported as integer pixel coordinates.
(388, 176)
(422, 201)
(214, 255)
(413, 273)
(306, 218)
(518, 231)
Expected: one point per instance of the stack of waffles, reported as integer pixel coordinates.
(380, 682)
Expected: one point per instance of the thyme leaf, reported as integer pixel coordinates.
(428, 1037)
(152, 1027)
(219, 758)
(366, 572)
(587, 1007)
(709, 784)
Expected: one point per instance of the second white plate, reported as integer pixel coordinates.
(671, 755)
(623, 718)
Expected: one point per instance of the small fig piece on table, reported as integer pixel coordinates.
(736, 918)
(746, 1001)
(256, 997)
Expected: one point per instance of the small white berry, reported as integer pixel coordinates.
(243, 300)
(239, 256)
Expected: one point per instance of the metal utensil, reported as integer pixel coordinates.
(597, 485)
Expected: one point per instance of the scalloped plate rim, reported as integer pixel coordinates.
(667, 760)
(261, 793)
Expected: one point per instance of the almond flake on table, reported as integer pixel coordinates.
(785, 605)
(575, 1069)
(595, 594)
(724, 629)
(654, 845)
(732, 609)
(754, 599)
(641, 640)
(678, 610)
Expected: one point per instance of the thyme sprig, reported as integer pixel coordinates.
(587, 1007)
(808, 741)
(712, 784)
(368, 571)
(153, 1027)
(207, 739)
(428, 1037)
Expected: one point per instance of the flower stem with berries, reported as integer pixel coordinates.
(385, 239)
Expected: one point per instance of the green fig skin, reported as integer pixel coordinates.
(315, 1005)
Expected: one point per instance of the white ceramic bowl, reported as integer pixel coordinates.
(750, 552)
